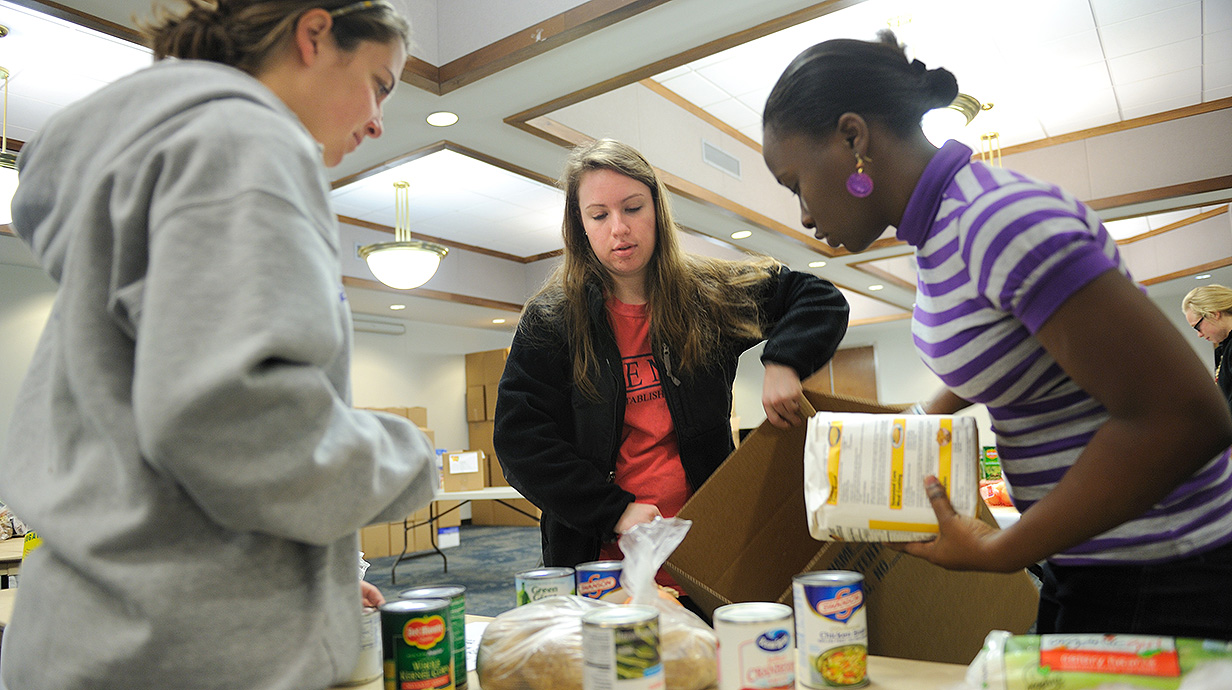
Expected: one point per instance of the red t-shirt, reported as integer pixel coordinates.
(648, 465)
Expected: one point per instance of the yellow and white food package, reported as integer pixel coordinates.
(864, 474)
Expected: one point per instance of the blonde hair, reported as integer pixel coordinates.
(245, 33)
(692, 300)
(1208, 300)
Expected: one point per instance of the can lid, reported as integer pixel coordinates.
(545, 572)
(433, 592)
(413, 605)
(752, 612)
(618, 615)
(829, 576)
(601, 565)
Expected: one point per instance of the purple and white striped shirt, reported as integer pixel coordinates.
(998, 253)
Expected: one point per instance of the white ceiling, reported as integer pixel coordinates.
(1049, 67)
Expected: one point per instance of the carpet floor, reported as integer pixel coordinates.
(484, 562)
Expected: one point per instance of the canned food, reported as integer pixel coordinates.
(831, 629)
(369, 667)
(418, 648)
(620, 649)
(755, 649)
(541, 583)
(600, 580)
(456, 596)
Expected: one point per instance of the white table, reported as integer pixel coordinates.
(10, 558)
(500, 494)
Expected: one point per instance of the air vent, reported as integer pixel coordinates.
(720, 159)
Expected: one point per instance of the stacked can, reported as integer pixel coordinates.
(755, 649)
(418, 648)
(541, 583)
(598, 579)
(456, 596)
(831, 629)
(620, 649)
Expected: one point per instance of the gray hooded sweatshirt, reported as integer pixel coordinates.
(184, 441)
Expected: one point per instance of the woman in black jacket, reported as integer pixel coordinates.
(616, 398)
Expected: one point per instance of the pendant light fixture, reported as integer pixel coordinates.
(404, 263)
(942, 124)
(8, 159)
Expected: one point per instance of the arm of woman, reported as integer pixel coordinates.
(533, 436)
(1166, 421)
(805, 319)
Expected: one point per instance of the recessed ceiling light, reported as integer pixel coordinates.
(741, 234)
(875, 288)
(397, 307)
(1204, 276)
(816, 264)
(498, 321)
(443, 118)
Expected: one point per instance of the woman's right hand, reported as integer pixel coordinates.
(636, 514)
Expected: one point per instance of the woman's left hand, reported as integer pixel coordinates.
(780, 395)
(962, 543)
(369, 595)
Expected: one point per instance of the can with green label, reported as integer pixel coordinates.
(456, 596)
(418, 648)
(620, 649)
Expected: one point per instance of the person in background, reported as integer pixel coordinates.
(1208, 310)
(1110, 435)
(616, 399)
(184, 441)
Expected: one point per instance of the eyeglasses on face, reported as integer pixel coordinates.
(1197, 324)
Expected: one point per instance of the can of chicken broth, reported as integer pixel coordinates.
(831, 629)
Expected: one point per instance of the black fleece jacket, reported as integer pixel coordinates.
(559, 448)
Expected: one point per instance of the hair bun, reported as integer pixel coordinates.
(941, 85)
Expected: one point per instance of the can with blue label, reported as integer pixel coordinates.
(755, 646)
(831, 629)
(600, 580)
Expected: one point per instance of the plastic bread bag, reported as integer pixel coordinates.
(539, 645)
(1107, 662)
(686, 643)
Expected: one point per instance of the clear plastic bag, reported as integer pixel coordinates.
(1106, 662)
(539, 645)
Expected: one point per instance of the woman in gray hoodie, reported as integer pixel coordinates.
(184, 442)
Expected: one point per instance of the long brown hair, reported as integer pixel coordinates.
(244, 33)
(692, 300)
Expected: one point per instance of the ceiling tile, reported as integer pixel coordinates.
(1173, 57)
(1217, 47)
(734, 113)
(696, 89)
(1156, 107)
(1216, 16)
(1216, 75)
(1113, 11)
(1152, 30)
(1166, 87)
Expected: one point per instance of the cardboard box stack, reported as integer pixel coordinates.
(483, 373)
(750, 537)
(389, 539)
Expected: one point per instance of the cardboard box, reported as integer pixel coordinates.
(464, 470)
(418, 415)
(495, 513)
(476, 405)
(496, 473)
(485, 367)
(489, 397)
(750, 537)
(418, 534)
(374, 541)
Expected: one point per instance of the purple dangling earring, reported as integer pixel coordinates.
(859, 184)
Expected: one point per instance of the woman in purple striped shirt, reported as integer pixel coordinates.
(1112, 438)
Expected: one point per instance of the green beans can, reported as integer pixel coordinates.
(456, 596)
(418, 648)
(620, 649)
(541, 583)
